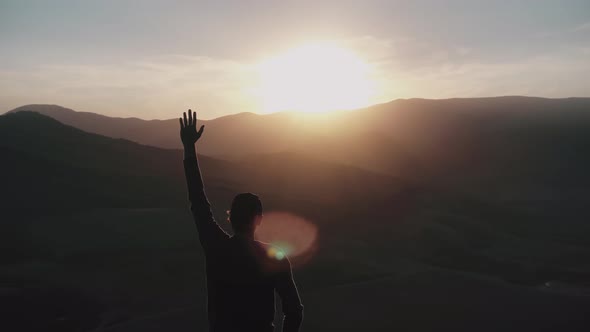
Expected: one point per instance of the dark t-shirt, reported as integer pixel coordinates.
(242, 274)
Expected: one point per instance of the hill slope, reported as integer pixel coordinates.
(30, 140)
(497, 202)
(456, 239)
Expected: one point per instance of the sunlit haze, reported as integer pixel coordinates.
(150, 59)
(315, 78)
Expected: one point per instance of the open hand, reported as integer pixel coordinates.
(188, 128)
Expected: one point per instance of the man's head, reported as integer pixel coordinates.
(246, 213)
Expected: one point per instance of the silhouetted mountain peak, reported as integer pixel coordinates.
(27, 120)
(26, 113)
(53, 111)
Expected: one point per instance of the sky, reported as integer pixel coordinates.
(153, 59)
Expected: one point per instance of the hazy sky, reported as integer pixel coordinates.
(152, 59)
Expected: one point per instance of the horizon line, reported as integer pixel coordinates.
(296, 111)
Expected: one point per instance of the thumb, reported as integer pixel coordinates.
(200, 132)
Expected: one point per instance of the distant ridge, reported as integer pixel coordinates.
(392, 138)
(149, 132)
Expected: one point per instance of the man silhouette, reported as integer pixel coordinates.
(242, 273)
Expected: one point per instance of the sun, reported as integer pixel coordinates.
(313, 78)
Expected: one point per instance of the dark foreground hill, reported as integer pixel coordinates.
(97, 229)
(63, 158)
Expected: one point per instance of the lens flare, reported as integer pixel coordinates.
(276, 253)
(289, 235)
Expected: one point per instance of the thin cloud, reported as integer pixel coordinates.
(582, 27)
(152, 85)
(157, 87)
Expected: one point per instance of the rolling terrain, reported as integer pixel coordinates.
(479, 225)
(406, 137)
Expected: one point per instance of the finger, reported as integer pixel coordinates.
(180, 120)
(190, 117)
(184, 116)
(200, 132)
(194, 118)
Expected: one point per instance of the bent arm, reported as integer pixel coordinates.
(291, 303)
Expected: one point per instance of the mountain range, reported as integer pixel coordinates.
(412, 139)
(414, 201)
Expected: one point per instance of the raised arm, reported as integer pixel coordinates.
(210, 233)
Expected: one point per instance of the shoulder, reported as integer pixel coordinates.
(275, 255)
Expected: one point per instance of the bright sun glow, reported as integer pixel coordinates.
(315, 78)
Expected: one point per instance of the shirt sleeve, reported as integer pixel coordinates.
(210, 234)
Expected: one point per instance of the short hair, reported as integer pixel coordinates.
(244, 208)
